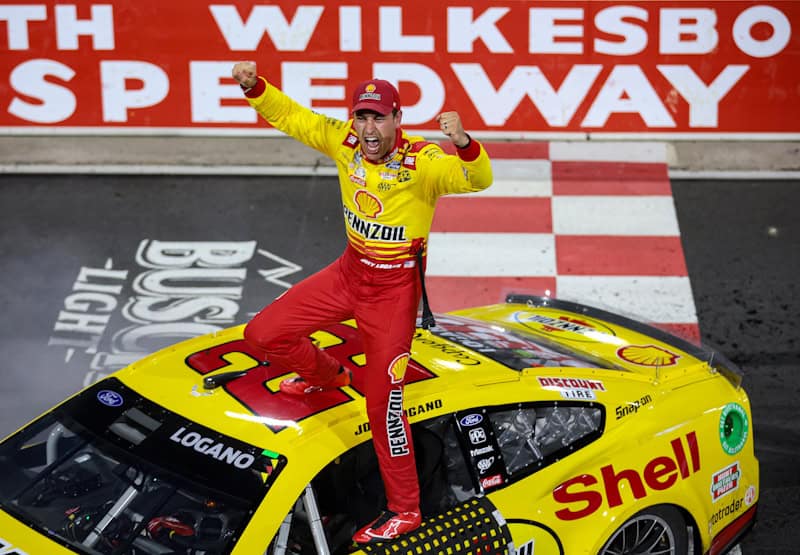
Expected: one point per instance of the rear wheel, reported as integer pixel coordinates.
(656, 530)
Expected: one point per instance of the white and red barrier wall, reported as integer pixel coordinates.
(513, 69)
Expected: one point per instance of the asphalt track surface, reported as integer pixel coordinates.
(62, 234)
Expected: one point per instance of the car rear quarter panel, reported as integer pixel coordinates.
(670, 441)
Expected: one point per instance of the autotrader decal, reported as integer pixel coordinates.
(726, 512)
(733, 428)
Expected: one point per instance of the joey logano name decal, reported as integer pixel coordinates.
(213, 448)
(584, 494)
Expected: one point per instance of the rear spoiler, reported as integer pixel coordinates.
(713, 358)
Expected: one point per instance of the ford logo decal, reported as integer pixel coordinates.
(109, 398)
(471, 420)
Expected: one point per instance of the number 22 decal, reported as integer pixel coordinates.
(258, 389)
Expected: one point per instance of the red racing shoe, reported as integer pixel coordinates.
(388, 526)
(299, 386)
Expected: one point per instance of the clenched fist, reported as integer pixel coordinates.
(450, 124)
(245, 74)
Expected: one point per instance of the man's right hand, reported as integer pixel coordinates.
(245, 74)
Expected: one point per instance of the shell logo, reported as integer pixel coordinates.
(370, 88)
(397, 368)
(647, 355)
(368, 204)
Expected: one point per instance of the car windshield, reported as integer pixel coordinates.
(514, 349)
(111, 472)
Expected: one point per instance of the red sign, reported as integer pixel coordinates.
(515, 68)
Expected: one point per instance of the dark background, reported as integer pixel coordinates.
(741, 240)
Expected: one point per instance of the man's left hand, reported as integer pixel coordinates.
(450, 124)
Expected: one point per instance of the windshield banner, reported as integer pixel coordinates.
(514, 69)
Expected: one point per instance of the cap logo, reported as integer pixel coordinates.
(369, 93)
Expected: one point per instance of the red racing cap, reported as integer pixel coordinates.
(376, 95)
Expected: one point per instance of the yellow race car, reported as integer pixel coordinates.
(541, 427)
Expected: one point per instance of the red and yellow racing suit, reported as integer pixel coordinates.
(388, 210)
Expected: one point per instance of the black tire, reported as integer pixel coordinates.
(660, 529)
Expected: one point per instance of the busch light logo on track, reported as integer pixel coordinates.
(109, 398)
(471, 420)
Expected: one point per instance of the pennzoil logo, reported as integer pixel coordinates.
(398, 367)
(563, 326)
(647, 355)
(369, 93)
(368, 204)
(395, 427)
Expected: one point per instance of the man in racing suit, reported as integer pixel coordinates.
(390, 183)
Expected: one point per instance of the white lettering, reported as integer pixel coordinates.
(470, 30)
(687, 31)
(83, 301)
(215, 451)
(703, 100)
(781, 31)
(613, 21)
(627, 90)
(350, 28)
(556, 107)
(170, 282)
(190, 439)
(100, 26)
(17, 18)
(117, 99)
(56, 103)
(544, 31)
(203, 445)
(92, 324)
(391, 38)
(286, 36)
(183, 254)
(298, 78)
(208, 93)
